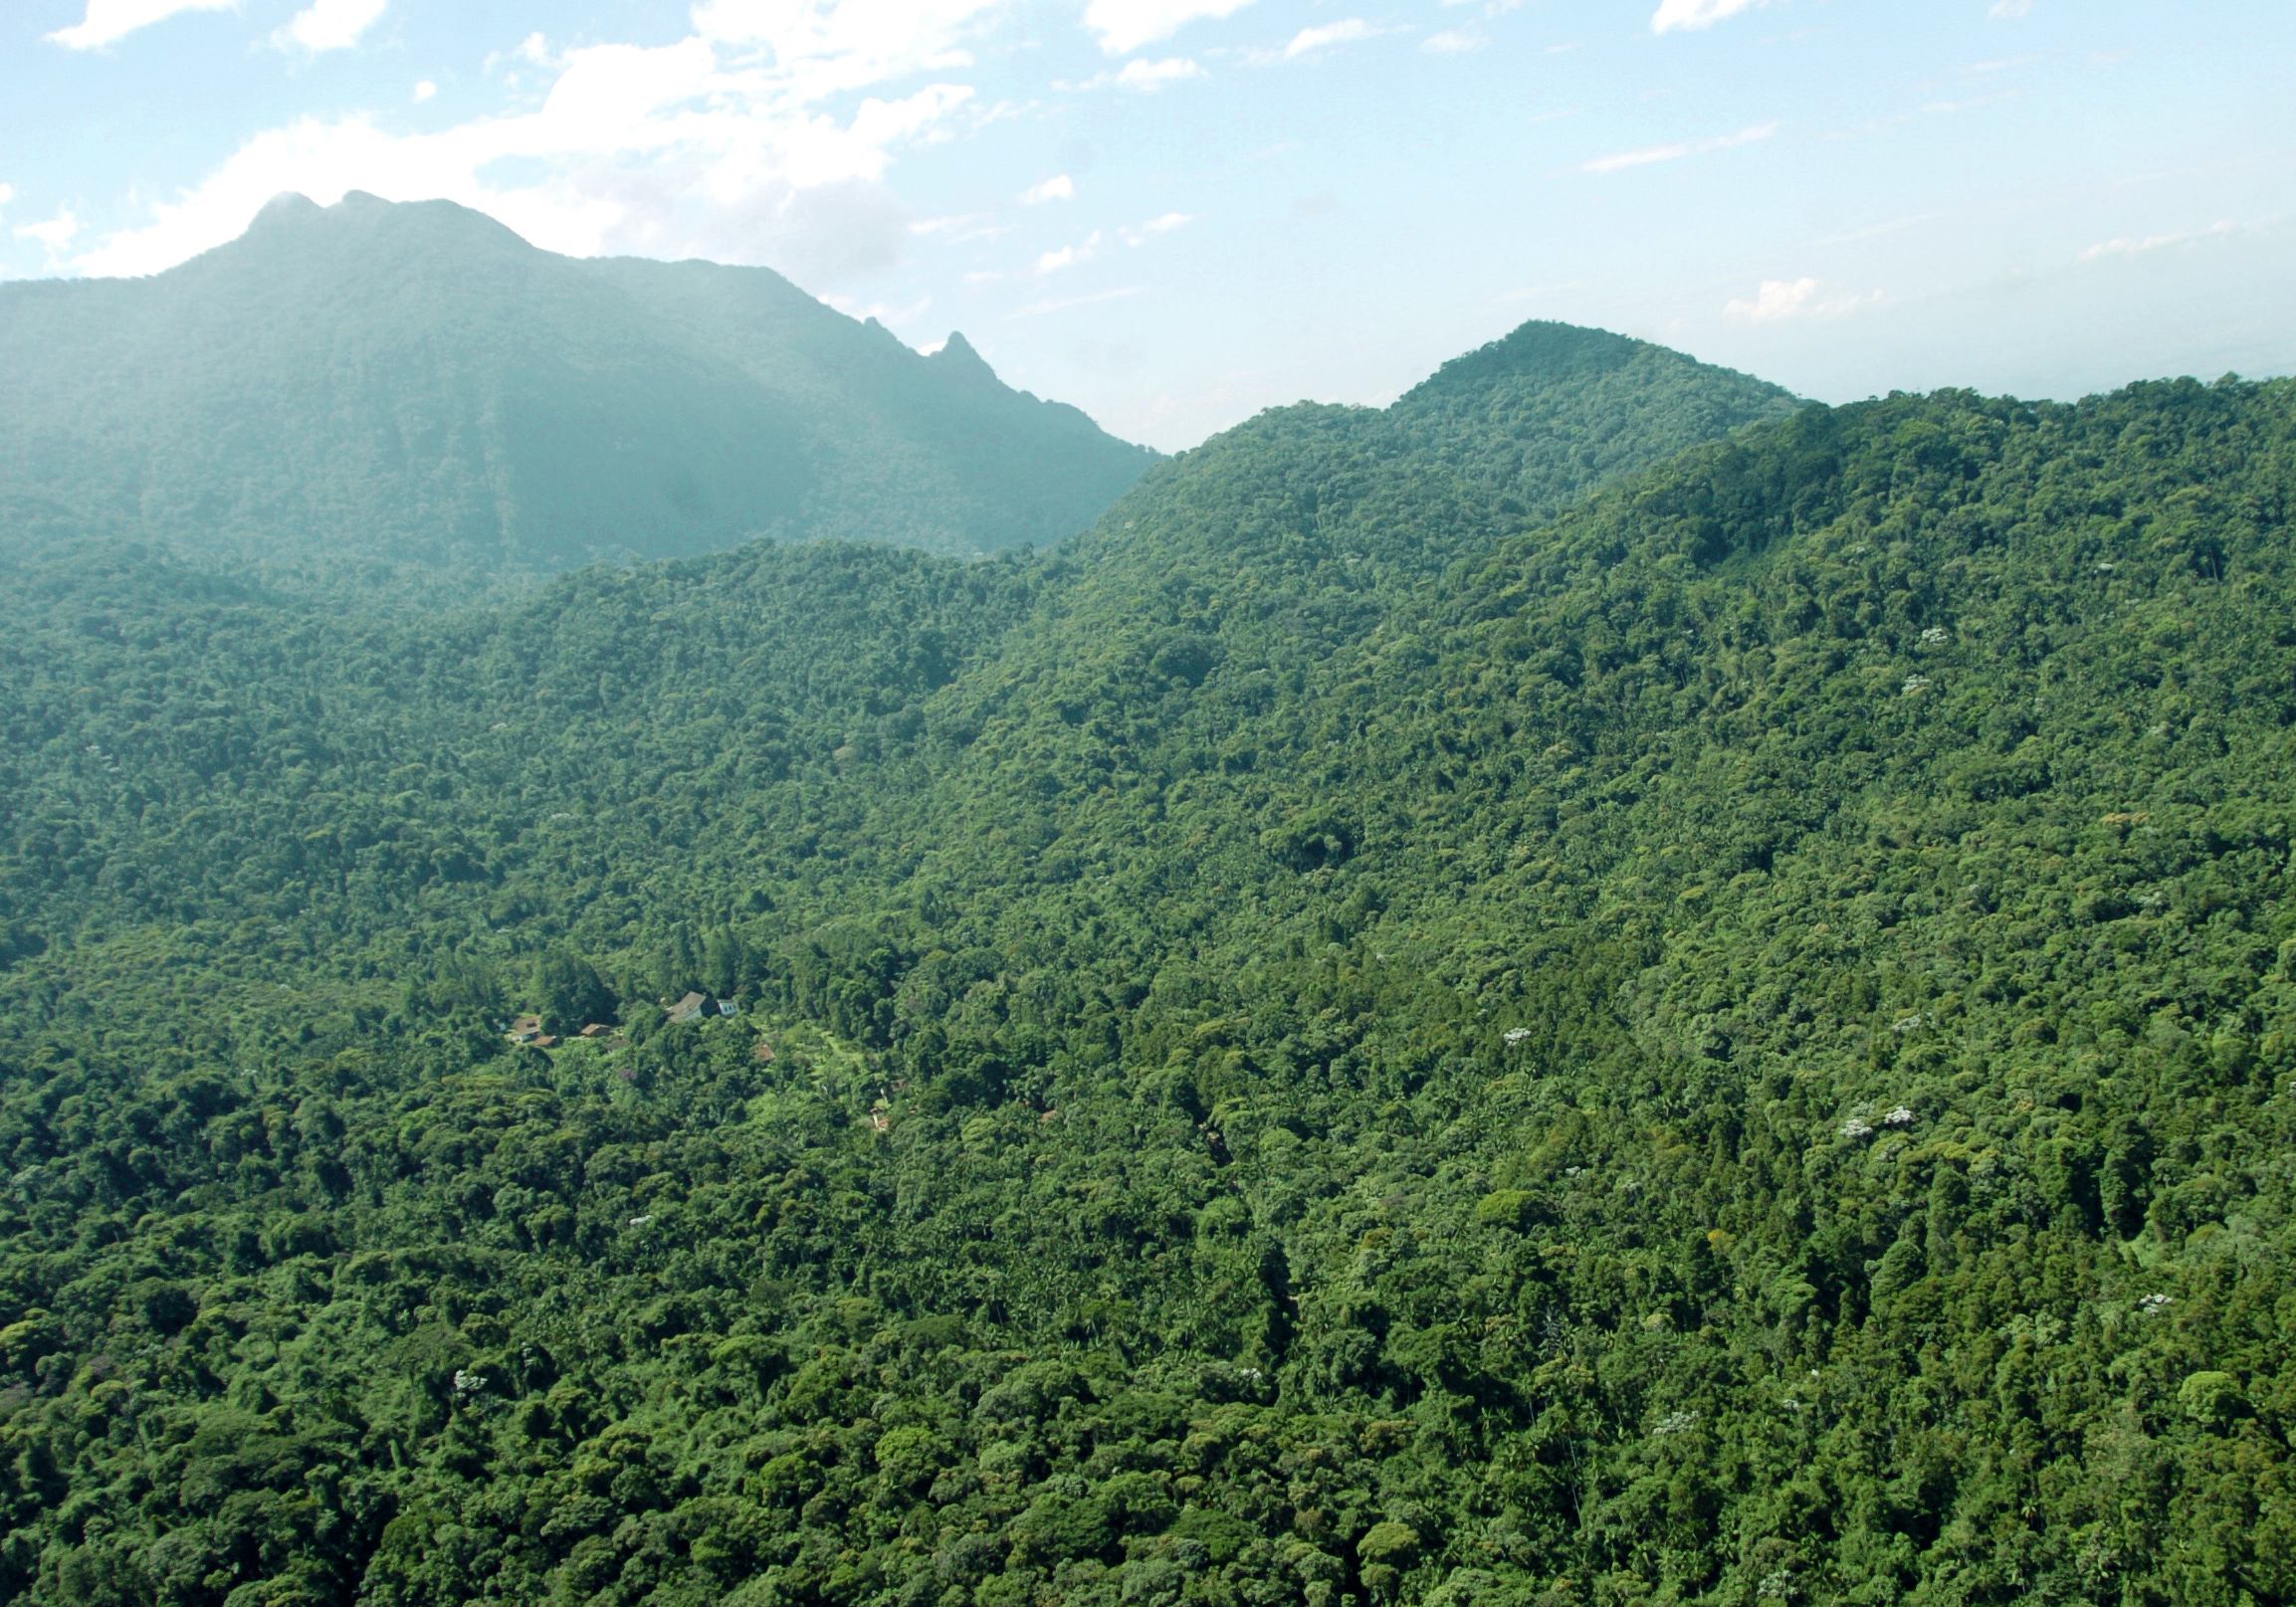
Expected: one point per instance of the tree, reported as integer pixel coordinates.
(570, 991)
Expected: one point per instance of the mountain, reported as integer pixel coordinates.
(1327, 516)
(1401, 1022)
(368, 386)
(1552, 405)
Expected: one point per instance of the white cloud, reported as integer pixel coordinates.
(2131, 245)
(108, 20)
(1308, 40)
(1779, 300)
(959, 227)
(1673, 14)
(1127, 25)
(1454, 42)
(424, 89)
(329, 25)
(1060, 188)
(1052, 262)
(1667, 153)
(55, 234)
(2009, 7)
(847, 43)
(1142, 232)
(1143, 75)
(718, 146)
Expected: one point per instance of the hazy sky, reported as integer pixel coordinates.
(1176, 212)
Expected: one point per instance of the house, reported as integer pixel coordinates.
(597, 1029)
(764, 1050)
(728, 1007)
(688, 1008)
(525, 1029)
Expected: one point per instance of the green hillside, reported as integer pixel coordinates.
(371, 394)
(1371, 1031)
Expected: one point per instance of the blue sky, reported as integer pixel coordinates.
(1176, 212)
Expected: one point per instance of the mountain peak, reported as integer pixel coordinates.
(1538, 349)
(361, 221)
(959, 356)
(1538, 364)
(287, 208)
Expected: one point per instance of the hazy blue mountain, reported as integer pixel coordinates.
(415, 386)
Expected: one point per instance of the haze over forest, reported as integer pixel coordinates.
(656, 950)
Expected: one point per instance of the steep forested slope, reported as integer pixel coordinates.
(1340, 1038)
(730, 690)
(373, 393)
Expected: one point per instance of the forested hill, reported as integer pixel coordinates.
(354, 392)
(1555, 404)
(1359, 1034)
(754, 665)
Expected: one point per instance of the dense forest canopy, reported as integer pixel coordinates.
(1380, 1028)
(372, 399)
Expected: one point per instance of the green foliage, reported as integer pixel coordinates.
(1369, 1031)
(570, 992)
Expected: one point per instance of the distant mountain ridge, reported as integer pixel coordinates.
(414, 385)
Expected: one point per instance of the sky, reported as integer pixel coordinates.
(1175, 212)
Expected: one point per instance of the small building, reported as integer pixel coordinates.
(525, 1029)
(597, 1029)
(764, 1050)
(728, 1007)
(688, 1008)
